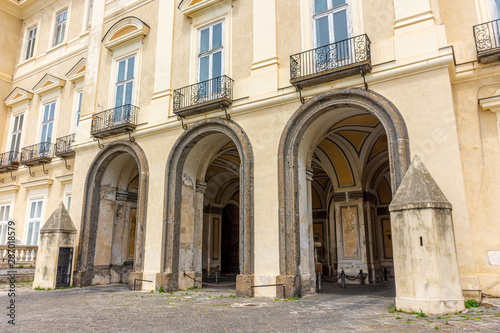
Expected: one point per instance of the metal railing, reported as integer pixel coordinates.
(333, 56)
(487, 36)
(35, 152)
(120, 115)
(63, 144)
(9, 159)
(202, 92)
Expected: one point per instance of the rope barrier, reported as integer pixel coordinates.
(210, 284)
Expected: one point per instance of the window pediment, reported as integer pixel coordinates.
(18, 95)
(125, 30)
(192, 7)
(78, 71)
(47, 83)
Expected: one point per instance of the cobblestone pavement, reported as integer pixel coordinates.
(114, 308)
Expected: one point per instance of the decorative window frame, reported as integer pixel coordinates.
(11, 128)
(125, 31)
(25, 42)
(203, 19)
(34, 197)
(77, 72)
(47, 83)
(133, 49)
(49, 88)
(191, 8)
(18, 95)
(51, 45)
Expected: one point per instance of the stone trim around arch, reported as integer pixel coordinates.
(169, 275)
(90, 214)
(288, 163)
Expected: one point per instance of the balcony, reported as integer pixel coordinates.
(64, 148)
(9, 161)
(122, 119)
(331, 62)
(204, 96)
(36, 154)
(487, 37)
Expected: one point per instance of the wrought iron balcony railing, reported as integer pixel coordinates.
(9, 161)
(36, 154)
(63, 146)
(487, 37)
(331, 62)
(121, 119)
(204, 96)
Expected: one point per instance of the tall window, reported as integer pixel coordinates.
(17, 130)
(60, 27)
(89, 16)
(210, 52)
(48, 122)
(78, 108)
(124, 89)
(30, 43)
(34, 219)
(4, 220)
(330, 21)
(68, 202)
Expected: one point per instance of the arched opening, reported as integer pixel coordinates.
(111, 245)
(348, 151)
(209, 190)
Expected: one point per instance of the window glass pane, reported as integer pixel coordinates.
(16, 123)
(79, 107)
(46, 113)
(21, 119)
(6, 216)
(340, 25)
(217, 65)
(217, 36)
(3, 232)
(338, 2)
(322, 32)
(49, 133)
(121, 71)
(2, 212)
(68, 202)
(77, 118)
(130, 68)
(30, 232)
(43, 137)
(39, 210)
(204, 68)
(128, 93)
(119, 96)
(35, 233)
(205, 40)
(52, 111)
(32, 209)
(63, 31)
(320, 6)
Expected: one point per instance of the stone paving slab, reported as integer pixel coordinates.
(114, 308)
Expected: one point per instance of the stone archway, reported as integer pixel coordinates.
(295, 152)
(91, 203)
(183, 166)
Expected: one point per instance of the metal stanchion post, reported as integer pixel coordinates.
(385, 274)
(319, 282)
(342, 278)
(362, 277)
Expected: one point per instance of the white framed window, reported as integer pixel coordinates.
(124, 87)
(331, 21)
(30, 43)
(60, 28)
(211, 51)
(49, 111)
(17, 130)
(4, 220)
(89, 14)
(79, 96)
(34, 220)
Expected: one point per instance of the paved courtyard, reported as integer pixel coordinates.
(114, 308)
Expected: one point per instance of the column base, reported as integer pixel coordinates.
(291, 286)
(83, 278)
(244, 285)
(135, 276)
(430, 306)
(167, 281)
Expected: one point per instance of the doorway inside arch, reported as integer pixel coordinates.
(349, 194)
(230, 242)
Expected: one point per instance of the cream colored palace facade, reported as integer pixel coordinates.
(262, 137)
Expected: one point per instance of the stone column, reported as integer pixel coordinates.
(425, 259)
(59, 231)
